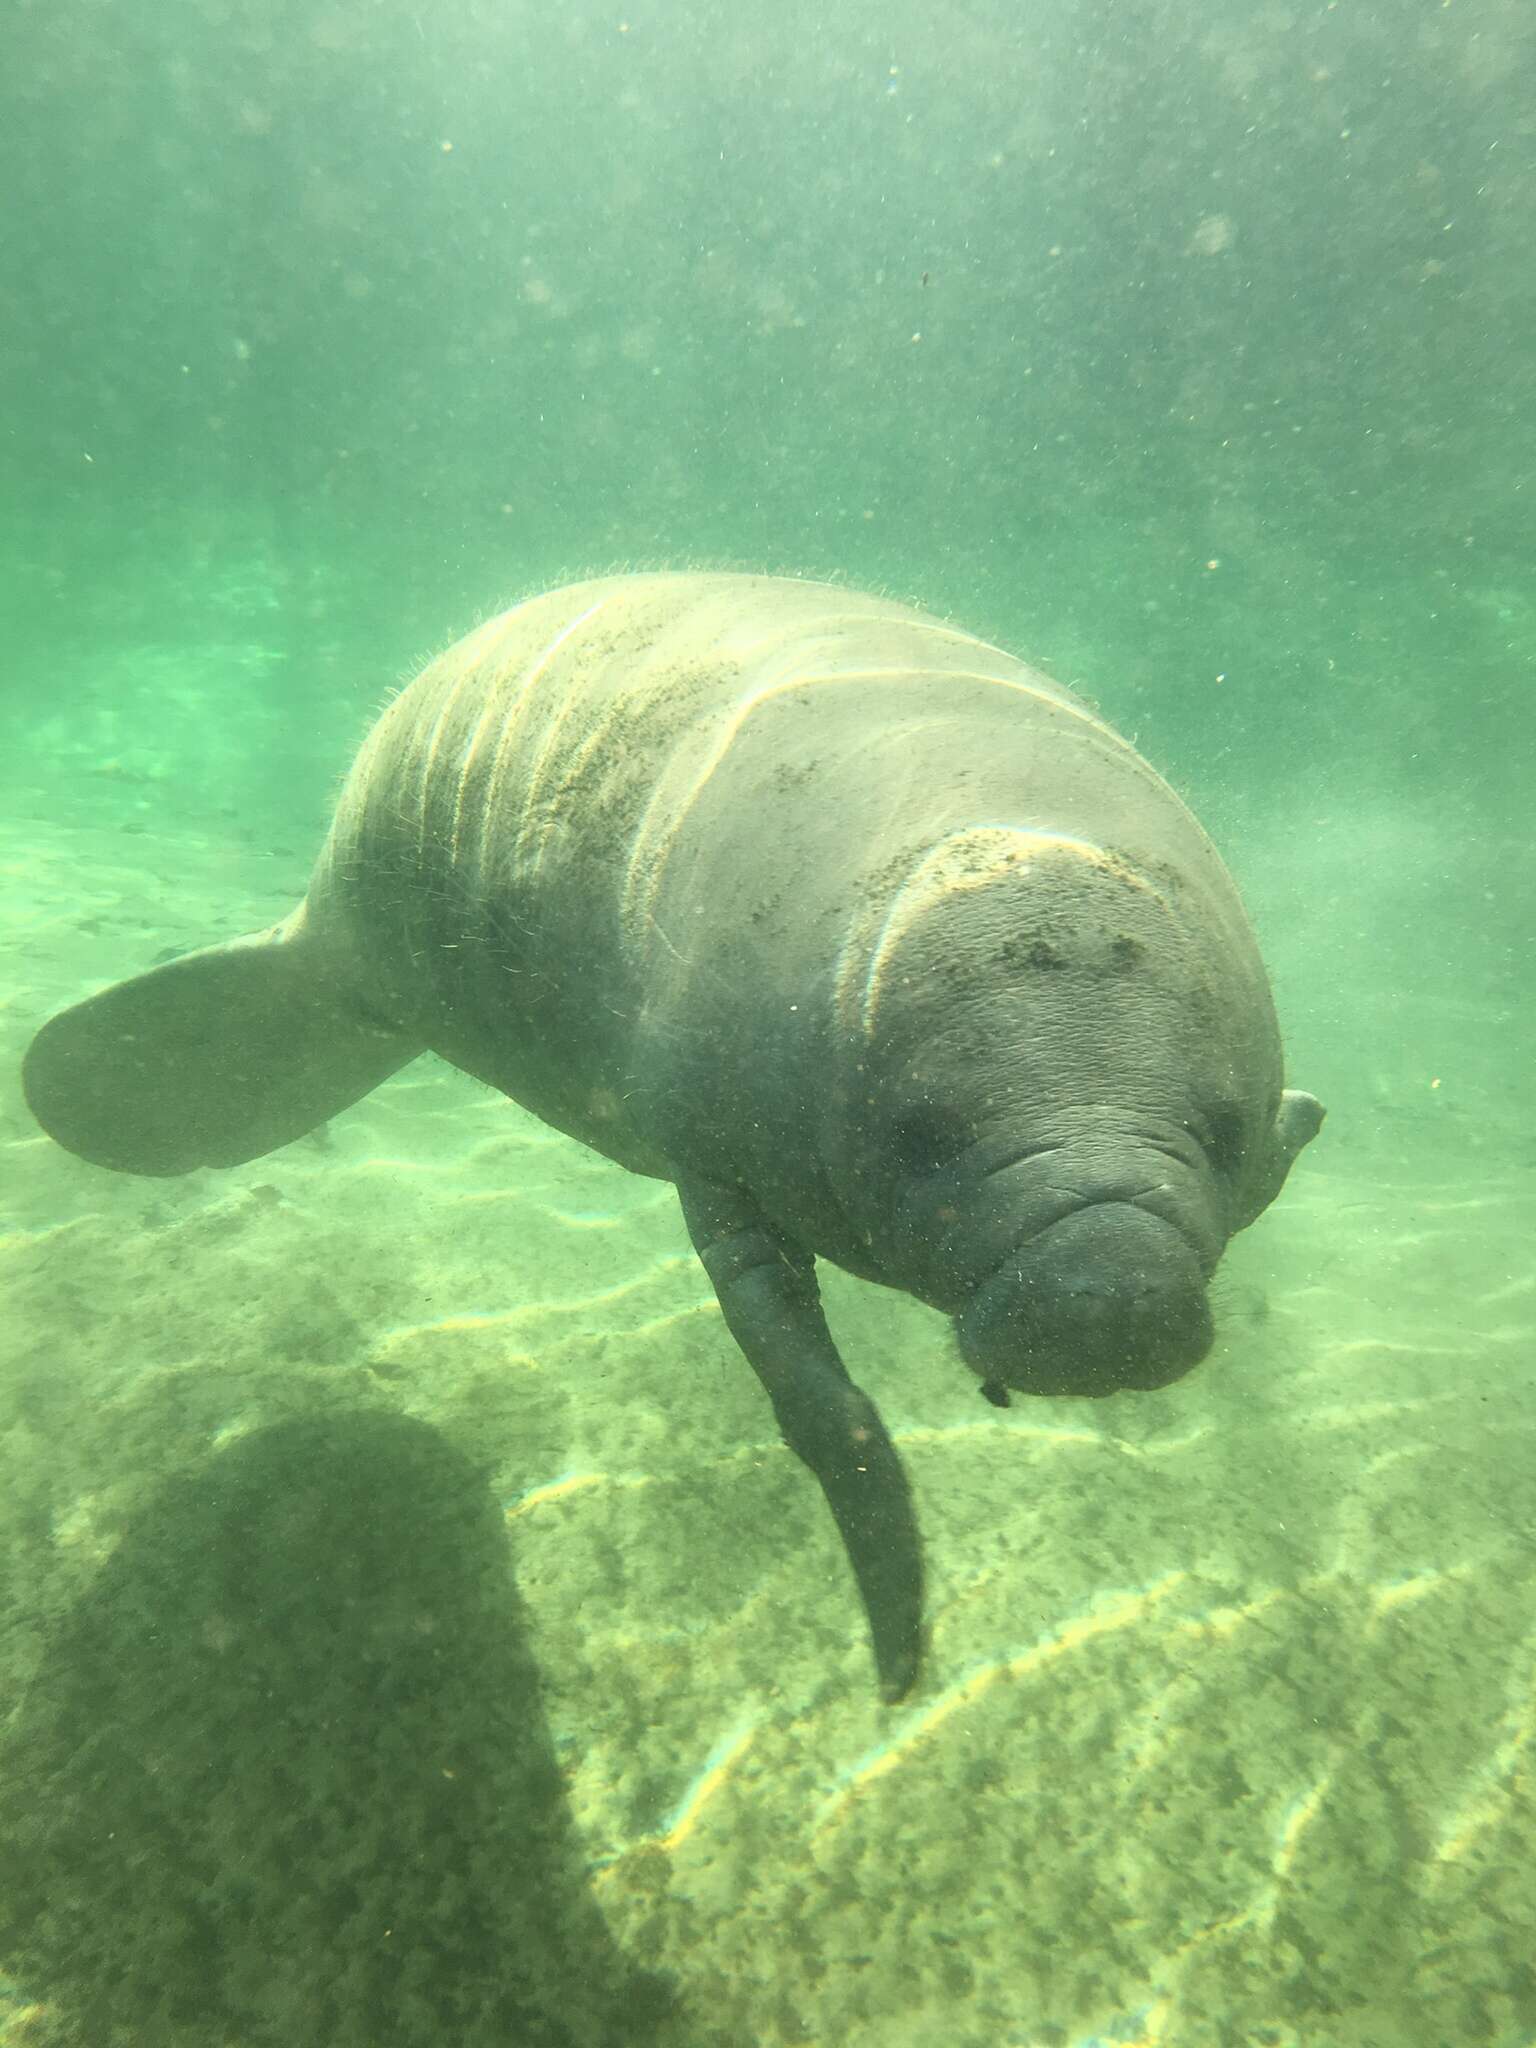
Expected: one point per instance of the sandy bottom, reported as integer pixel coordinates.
(1228, 1733)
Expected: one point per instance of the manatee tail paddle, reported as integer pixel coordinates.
(211, 1059)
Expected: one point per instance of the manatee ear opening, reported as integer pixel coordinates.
(1298, 1120)
(210, 1060)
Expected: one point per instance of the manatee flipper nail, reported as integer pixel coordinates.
(769, 1298)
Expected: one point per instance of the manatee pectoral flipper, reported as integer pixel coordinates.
(768, 1295)
(211, 1059)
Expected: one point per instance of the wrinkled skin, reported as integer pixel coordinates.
(1064, 1161)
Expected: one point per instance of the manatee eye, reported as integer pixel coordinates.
(1224, 1141)
(923, 1139)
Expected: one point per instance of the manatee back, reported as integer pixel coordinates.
(608, 812)
(634, 850)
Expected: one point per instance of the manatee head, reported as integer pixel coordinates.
(1072, 1100)
(1115, 1223)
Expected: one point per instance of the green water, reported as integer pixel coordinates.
(415, 1633)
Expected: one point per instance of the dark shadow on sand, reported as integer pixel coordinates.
(285, 1775)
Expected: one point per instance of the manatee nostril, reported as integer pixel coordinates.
(1105, 1298)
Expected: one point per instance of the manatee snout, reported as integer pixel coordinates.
(1106, 1299)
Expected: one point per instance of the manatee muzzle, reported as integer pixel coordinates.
(1108, 1298)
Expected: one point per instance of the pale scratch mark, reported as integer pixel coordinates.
(514, 698)
(541, 790)
(494, 709)
(744, 641)
(467, 678)
(578, 760)
(651, 843)
(467, 663)
(977, 857)
(1035, 687)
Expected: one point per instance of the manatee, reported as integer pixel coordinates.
(880, 945)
